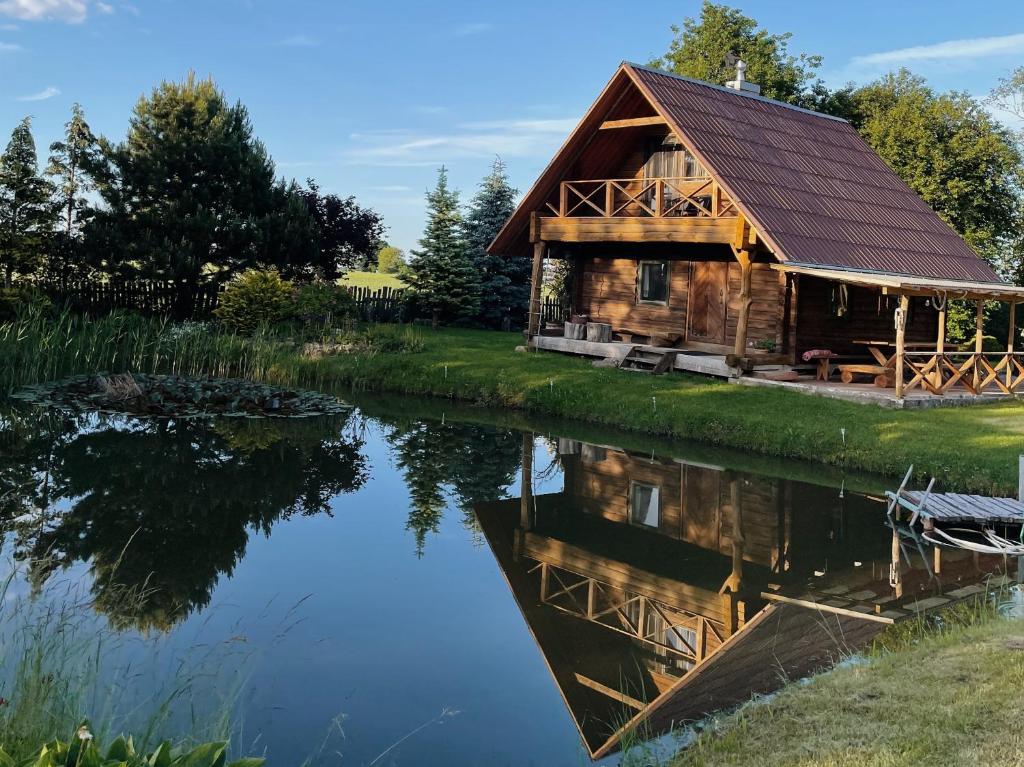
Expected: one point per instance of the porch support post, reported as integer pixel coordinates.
(526, 486)
(1009, 344)
(901, 330)
(979, 333)
(746, 268)
(940, 347)
(536, 279)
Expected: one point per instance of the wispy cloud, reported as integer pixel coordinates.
(8, 27)
(71, 11)
(967, 48)
(472, 28)
(390, 188)
(299, 41)
(9, 47)
(508, 138)
(104, 8)
(46, 93)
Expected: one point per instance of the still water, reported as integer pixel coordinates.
(406, 586)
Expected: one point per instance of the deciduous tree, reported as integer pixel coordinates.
(700, 47)
(390, 260)
(348, 236)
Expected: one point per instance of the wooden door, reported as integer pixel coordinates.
(709, 286)
(702, 507)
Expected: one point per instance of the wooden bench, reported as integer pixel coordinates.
(884, 377)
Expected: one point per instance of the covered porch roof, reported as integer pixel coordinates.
(909, 285)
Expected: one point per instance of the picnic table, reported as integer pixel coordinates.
(884, 354)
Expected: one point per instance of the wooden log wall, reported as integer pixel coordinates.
(608, 293)
(870, 317)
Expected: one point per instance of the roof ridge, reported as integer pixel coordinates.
(734, 92)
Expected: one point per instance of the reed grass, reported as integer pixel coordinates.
(61, 664)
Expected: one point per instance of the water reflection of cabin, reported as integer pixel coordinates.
(661, 590)
(741, 232)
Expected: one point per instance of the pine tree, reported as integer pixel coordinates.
(71, 164)
(26, 211)
(505, 282)
(443, 275)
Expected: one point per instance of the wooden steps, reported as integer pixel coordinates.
(643, 360)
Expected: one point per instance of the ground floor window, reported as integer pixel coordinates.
(644, 504)
(654, 282)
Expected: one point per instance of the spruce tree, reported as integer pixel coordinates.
(505, 282)
(26, 211)
(442, 273)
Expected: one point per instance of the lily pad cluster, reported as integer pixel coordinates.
(172, 396)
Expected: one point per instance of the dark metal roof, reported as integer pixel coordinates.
(813, 189)
(811, 186)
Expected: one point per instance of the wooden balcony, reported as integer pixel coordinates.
(976, 372)
(693, 209)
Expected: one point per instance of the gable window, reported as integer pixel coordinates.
(667, 158)
(653, 277)
(644, 504)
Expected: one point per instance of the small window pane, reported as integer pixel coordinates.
(654, 281)
(645, 506)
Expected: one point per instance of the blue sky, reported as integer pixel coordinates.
(370, 98)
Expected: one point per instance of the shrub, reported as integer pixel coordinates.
(21, 299)
(83, 751)
(323, 303)
(254, 298)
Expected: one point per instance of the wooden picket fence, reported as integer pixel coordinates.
(166, 298)
(553, 310)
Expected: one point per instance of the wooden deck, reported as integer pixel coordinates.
(959, 508)
(686, 360)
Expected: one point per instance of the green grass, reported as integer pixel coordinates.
(950, 697)
(372, 280)
(967, 448)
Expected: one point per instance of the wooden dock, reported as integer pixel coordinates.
(960, 508)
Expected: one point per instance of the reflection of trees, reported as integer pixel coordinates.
(161, 509)
(476, 463)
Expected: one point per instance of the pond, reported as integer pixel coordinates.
(406, 585)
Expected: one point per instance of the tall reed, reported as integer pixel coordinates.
(39, 347)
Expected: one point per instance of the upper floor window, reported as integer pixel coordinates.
(667, 158)
(644, 504)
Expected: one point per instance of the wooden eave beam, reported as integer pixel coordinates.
(633, 122)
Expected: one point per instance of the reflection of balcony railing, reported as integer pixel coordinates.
(648, 197)
(977, 373)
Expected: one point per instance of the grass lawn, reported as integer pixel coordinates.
(953, 699)
(372, 280)
(967, 448)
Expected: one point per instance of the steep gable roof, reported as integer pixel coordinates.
(813, 189)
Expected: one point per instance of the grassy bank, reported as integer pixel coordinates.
(951, 698)
(971, 448)
(968, 449)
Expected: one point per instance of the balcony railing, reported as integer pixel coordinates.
(646, 197)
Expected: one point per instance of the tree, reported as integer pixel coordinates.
(505, 281)
(191, 195)
(26, 212)
(390, 260)
(347, 234)
(700, 47)
(1009, 94)
(71, 164)
(950, 151)
(442, 274)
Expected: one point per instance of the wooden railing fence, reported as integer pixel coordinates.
(977, 372)
(698, 196)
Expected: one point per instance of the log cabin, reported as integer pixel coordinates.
(662, 589)
(711, 229)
